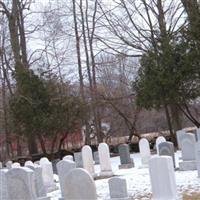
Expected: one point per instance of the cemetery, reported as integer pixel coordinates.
(161, 174)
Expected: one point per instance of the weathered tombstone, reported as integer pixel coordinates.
(9, 164)
(88, 163)
(167, 149)
(104, 159)
(159, 140)
(20, 184)
(16, 165)
(68, 157)
(64, 167)
(118, 188)
(162, 178)
(3, 184)
(80, 187)
(198, 134)
(96, 157)
(47, 174)
(179, 135)
(78, 159)
(188, 152)
(197, 156)
(29, 163)
(39, 183)
(144, 151)
(125, 159)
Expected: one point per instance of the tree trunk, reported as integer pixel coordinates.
(32, 144)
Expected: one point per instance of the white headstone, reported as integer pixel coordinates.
(162, 178)
(118, 188)
(68, 157)
(64, 167)
(81, 185)
(3, 184)
(144, 151)
(197, 156)
(1, 165)
(88, 162)
(104, 159)
(159, 140)
(78, 159)
(16, 165)
(29, 163)
(9, 164)
(198, 134)
(179, 135)
(20, 183)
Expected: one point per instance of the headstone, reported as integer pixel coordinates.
(38, 180)
(9, 164)
(144, 151)
(104, 159)
(198, 134)
(96, 157)
(179, 135)
(162, 178)
(197, 156)
(20, 183)
(47, 174)
(54, 163)
(81, 185)
(29, 163)
(78, 159)
(1, 165)
(88, 163)
(167, 149)
(68, 157)
(3, 184)
(159, 140)
(118, 188)
(188, 152)
(64, 167)
(125, 159)
(16, 165)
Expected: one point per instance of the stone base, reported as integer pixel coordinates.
(106, 174)
(187, 165)
(126, 166)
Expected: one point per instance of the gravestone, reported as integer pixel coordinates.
(197, 156)
(68, 157)
(144, 151)
(125, 159)
(20, 183)
(96, 157)
(159, 140)
(47, 174)
(1, 165)
(104, 159)
(162, 178)
(179, 135)
(78, 159)
(80, 187)
(9, 164)
(38, 180)
(198, 134)
(16, 165)
(118, 188)
(29, 163)
(64, 167)
(3, 185)
(167, 149)
(188, 152)
(54, 163)
(88, 163)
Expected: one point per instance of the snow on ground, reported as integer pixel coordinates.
(138, 180)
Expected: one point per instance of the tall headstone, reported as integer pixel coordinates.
(118, 188)
(188, 152)
(81, 185)
(96, 157)
(198, 134)
(68, 157)
(125, 159)
(47, 174)
(64, 167)
(3, 184)
(20, 183)
(78, 159)
(162, 178)
(88, 163)
(179, 135)
(167, 149)
(197, 156)
(144, 151)
(104, 159)
(159, 140)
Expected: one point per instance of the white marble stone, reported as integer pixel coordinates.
(64, 167)
(68, 157)
(29, 163)
(118, 188)
(197, 156)
(144, 151)
(159, 140)
(104, 159)
(9, 164)
(16, 165)
(80, 187)
(179, 135)
(198, 134)
(162, 178)
(3, 185)
(88, 162)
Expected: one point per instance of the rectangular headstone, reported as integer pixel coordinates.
(96, 157)
(78, 159)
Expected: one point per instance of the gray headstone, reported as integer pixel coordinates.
(3, 184)
(96, 157)
(145, 152)
(159, 140)
(197, 155)
(9, 164)
(1, 165)
(198, 134)
(118, 188)
(20, 183)
(167, 149)
(78, 159)
(81, 185)
(54, 163)
(179, 135)
(64, 167)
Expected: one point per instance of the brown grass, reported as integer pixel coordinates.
(191, 196)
